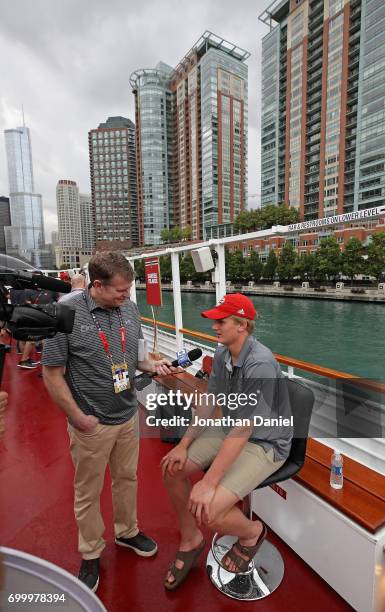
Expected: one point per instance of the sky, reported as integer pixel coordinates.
(68, 64)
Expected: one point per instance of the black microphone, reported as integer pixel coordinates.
(192, 355)
(39, 281)
(142, 380)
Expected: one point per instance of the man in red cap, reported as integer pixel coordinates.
(238, 450)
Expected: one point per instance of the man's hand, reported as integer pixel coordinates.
(162, 367)
(85, 423)
(200, 499)
(3, 405)
(174, 460)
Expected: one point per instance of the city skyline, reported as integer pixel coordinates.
(66, 93)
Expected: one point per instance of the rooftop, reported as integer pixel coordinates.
(276, 11)
(116, 122)
(204, 43)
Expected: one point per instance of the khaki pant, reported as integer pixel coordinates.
(252, 466)
(118, 447)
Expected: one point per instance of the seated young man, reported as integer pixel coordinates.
(237, 455)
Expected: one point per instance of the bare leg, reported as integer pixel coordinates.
(179, 487)
(228, 519)
(27, 350)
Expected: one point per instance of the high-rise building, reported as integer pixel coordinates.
(25, 236)
(68, 214)
(113, 183)
(5, 220)
(323, 96)
(76, 233)
(55, 239)
(192, 139)
(87, 223)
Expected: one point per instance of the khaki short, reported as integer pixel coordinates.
(249, 469)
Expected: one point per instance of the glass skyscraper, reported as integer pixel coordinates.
(25, 237)
(323, 113)
(191, 140)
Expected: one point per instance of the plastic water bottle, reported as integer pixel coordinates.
(336, 472)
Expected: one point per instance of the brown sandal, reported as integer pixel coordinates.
(249, 551)
(188, 557)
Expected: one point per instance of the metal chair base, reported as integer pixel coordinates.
(264, 575)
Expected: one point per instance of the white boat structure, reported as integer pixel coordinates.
(340, 534)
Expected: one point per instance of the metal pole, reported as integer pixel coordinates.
(133, 286)
(177, 300)
(220, 285)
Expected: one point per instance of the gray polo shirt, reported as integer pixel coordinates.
(88, 368)
(257, 372)
(68, 296)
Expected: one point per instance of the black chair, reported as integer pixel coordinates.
(266, 570)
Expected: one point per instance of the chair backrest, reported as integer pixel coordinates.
(301, 402)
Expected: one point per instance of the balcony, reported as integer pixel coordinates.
(355, 26)
(314, 96)
(313, 119)
(316, 9)
(354, 50)
(315, 53)
(355, 37)
(316, 42)
(312, 75)
(315, 64)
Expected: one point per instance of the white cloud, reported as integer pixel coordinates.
(69, 63)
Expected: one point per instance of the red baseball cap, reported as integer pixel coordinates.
(232, 304)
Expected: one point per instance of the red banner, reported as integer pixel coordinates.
(153, 286)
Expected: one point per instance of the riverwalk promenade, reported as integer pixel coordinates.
(341, 292)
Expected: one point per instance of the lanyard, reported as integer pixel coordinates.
(103, 337)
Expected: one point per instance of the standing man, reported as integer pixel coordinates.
(78, 284)
(89, 375)
(237, 458)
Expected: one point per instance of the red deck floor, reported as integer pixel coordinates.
(36, 516)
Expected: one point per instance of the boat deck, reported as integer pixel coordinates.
(36, 516)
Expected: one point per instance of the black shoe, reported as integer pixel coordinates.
(89, 573)
(28, 364)
(141, 544)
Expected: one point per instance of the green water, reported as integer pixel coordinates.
(344, 336)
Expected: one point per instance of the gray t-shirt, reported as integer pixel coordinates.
(88, 368)
(256, 372)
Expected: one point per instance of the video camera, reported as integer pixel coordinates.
(31, 322)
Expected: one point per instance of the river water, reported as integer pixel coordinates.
(345, 336)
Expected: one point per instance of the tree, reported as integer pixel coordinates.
(175, 234)
(286, 261)
(304, 266)
(244, 222)
(186, 268)
(375, 263)
(270, 266)
(266, 217)
(186, 232)
(286, 215)
(165, 235)
(236, 266)
(352, 258)
(139, 270)
(328, 259)
(165, 267)
(252, 267)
